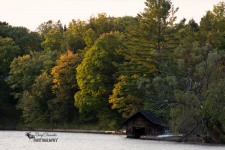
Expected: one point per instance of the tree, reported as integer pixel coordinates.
(101, 24)
(90, 37)
(149, 43)
(73, 36)
(8, 50)
(34, 102)
(95, 76)
(26, 41)
(188, 34)
(45, 27)
(198, 72)
(14, 42)
(121, 23)
(31, 85)
(126, 96)
(65, 85)
(156, 19)
(53, 40)
(25, 69)
(212, 26)
(215, 100)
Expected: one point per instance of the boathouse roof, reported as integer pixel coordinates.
(150, 116)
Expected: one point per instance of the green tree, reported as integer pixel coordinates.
(121, 23)
(101, 24)
(215, 101)
(198, 71)
(34, 103)
(90, 37)
(149, 43)
(188, 34)
(14, 41)
(31, 85)
(25, 69)
(126, 96)
(95, 76)
(26, 41)
(53, 40)
(212, 26)
(8, 50)
(45, 27)
(73, 36)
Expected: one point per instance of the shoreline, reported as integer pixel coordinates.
(68, 131)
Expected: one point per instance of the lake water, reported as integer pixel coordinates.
(17, 140)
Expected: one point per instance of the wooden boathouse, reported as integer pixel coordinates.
(144, 123)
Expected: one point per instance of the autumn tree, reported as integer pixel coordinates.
(65, 86)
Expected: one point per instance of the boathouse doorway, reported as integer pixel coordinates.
(144, 123)
(138, 131)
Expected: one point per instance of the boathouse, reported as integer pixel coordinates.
(144, 123)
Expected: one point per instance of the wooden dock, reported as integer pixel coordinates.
(169, 138)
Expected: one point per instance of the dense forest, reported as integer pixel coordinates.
(103, 70)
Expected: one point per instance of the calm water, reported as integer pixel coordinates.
(17, 140)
